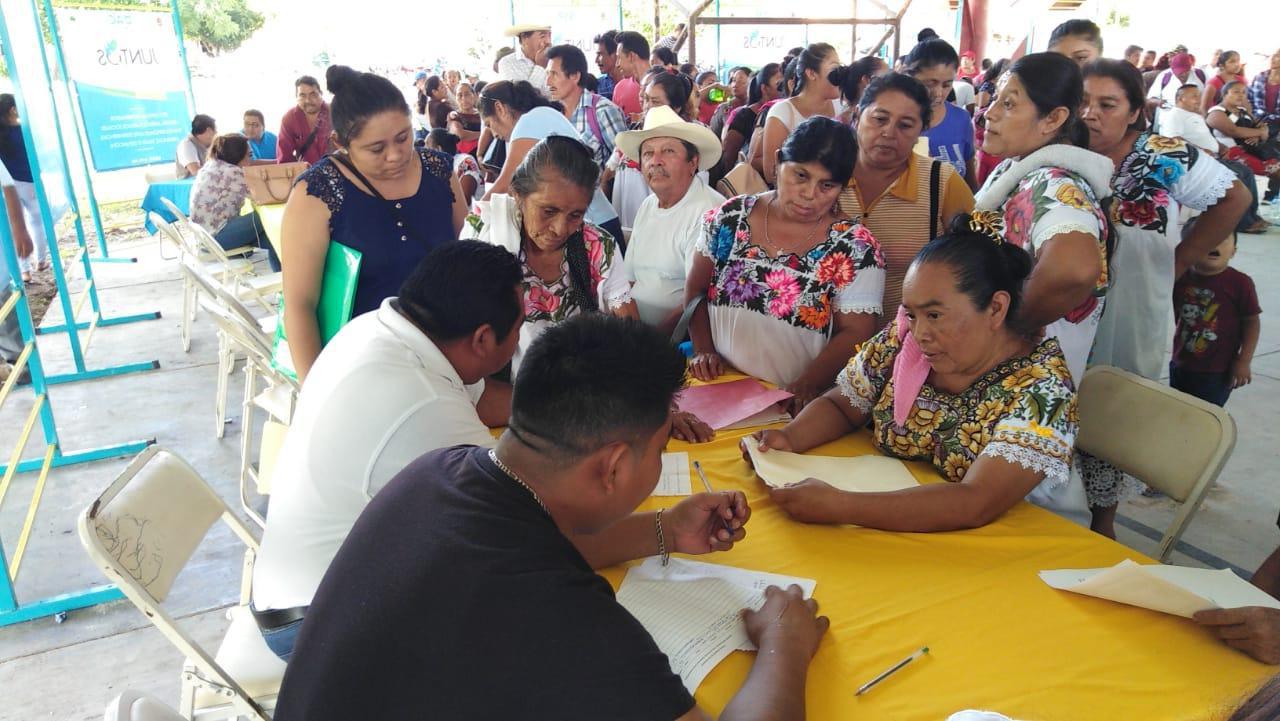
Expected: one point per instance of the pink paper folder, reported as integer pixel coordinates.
(722, 404)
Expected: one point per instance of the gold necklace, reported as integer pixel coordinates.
(778, 250)
(493, 456)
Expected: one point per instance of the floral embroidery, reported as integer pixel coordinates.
(798, 289)
(1025, 407)
(1038, 194)
(1146, 175)
(552, 301)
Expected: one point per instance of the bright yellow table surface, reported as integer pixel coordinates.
(272, 217)
(999, 638)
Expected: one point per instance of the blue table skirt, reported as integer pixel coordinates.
(177, 191)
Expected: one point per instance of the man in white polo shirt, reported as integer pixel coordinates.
(394, 384)
(670, 151)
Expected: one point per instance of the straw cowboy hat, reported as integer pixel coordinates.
(516, 31)
(662, 122)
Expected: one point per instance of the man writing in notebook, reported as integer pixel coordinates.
(466, 589)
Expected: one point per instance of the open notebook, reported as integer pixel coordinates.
(1169, 589)
(860, 474)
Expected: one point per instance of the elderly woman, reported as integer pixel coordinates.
(993, 410)
(570, 265)
(791, 286)
(520, 115)
(1153, 176)
(1049, 190)
(904, 198)
(376, 194)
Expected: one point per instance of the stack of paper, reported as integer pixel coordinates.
(692, 609)
(860, 474)
(1168, 589)
(674, 480)
(721, 405)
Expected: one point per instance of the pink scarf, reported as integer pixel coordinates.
(910, 371)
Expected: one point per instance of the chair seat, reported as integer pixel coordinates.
(268, 283)
(268, 325)
(245, 657)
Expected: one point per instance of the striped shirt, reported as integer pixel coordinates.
(899, 219)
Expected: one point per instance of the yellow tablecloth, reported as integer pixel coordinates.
(1000, 639)
(272, 217)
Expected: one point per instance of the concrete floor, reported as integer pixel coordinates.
(68, 671)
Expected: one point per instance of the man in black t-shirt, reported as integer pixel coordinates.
(466, 589)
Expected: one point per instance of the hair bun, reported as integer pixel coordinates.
(338, 78)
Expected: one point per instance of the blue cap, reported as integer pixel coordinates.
(421, 75)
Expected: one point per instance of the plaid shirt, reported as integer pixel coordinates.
(608, 117)
(1258, 98)
(604, 86)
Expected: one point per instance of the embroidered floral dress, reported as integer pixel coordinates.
(1023, 411)
(1057, 189)
(547, 303)
(1157, 176)
(771, 317)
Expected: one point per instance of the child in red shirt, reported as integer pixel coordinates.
(1217, 311)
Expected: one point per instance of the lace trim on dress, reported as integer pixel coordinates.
(617, 300)
(1211, 195)
(1069, 226)
(1056, 470)
(326, 183)
(847, 390)
(873, 309)
(1104, 484)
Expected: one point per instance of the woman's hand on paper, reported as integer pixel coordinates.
(773, 439)
(688, 427)
(810, 501)
(786, 620)
(707, 366)
(697, 524)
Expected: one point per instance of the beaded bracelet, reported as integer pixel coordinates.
(662, 543)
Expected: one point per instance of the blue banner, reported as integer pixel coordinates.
(126, 129)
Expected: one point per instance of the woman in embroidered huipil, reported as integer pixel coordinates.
(951, 383)
(1153, 178)
(791, 286)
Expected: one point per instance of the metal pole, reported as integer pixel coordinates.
(182, 53)
(103, 254)
(657, 22)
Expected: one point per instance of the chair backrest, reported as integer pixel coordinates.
(206, 242)
(177, 212)
(152, 518)
(214, 289)
(1167, 439)
(143, 529)
(169, 231)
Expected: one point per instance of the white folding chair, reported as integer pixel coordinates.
(185, 223)
(277, 399)
(188, 250)
(141, 532)
(218, 297)
(1169, 440)
(246, 284)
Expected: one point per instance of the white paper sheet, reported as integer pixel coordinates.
(674, 480)
(860, 474)
(1176, 590)
(692, 609)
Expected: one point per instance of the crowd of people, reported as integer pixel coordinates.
(934, 247)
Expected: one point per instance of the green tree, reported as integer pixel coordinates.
(218, 25)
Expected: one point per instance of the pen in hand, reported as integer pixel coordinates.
(707, 485)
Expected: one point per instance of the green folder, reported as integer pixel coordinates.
(337, 298)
